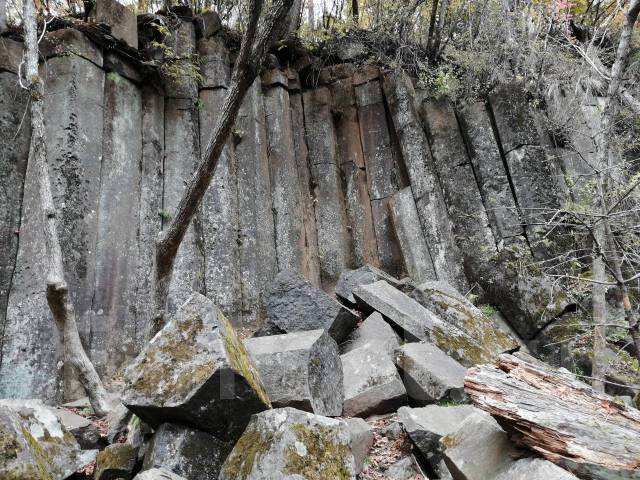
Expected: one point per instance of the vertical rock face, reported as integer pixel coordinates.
(255, 217)
(117, 226)
(74, 149)
(285, 191)
(182, 151)
(149, 219)
(311, 259)
(464, 203)
(218, 216)
(489, 169)
(333, 237)
(535, 179)
(358, 203)
(382, 172)
(14, 152)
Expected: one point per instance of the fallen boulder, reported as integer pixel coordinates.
(361, 440)
(290, 443)
(158, 474)
(85, 431)
(427, 425)
(429, 375)
(350, 279)
(294, 305)
(300, 370)
(196, 372)
(375, 333)
(478, 449)
(559, 417)
(451, 306)
(417, 323)
(35, 445)
(371, 383)
(190, 453)
(534, 469)
(406, 468)
(116, 462)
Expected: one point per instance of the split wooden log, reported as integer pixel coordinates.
(559, 417)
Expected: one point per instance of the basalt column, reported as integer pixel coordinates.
(285, 189)
(333, 238)
(116, 255)
(182, 153)
(218, 215)
(464, 203)
(383, 174)
(255, 219)
(358, 203)
(311, 268)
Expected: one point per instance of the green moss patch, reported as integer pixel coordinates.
(324, 458)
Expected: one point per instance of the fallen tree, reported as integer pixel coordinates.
(559, 417)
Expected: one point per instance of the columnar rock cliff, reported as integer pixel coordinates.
(350, 167)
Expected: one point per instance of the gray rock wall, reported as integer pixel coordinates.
(353, 171)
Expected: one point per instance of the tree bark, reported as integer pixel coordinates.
(558, 417)
(599, 301)
(355, 11)
(57, 289)
(249, 62)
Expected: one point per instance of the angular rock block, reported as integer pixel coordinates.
(427, 425)
(450, 305)
(417, 323)
(121, 19)
(534, 469)
(361, 440)
(190, 453)
(289, 443)
(371, 383)
(374, 333)
(293, 305)
(429, 374)
(350, 279)
(478, 449)
(85, 431)
(207, 24)
(196, 372)
(406, 468)
(35, 445)
(158, 474)
(116, 462)
(300, 370)
(413, 246)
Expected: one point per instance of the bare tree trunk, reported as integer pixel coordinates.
(444, 6)
(432, 26)
(294, 17)
(599, 301)
(312, 15)
(355, 12)
(248, 64)
(603, 166)
(57, 289)
(615, 263)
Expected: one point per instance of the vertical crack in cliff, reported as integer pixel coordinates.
(505, 164)
(466, 141)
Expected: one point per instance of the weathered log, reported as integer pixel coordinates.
(559, 417)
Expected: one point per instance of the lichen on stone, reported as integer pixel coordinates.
(324, 457)
(249, 449)
(239, 359)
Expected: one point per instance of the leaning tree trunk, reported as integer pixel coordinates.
(558, 417)
(57, 289)
(249, 62)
